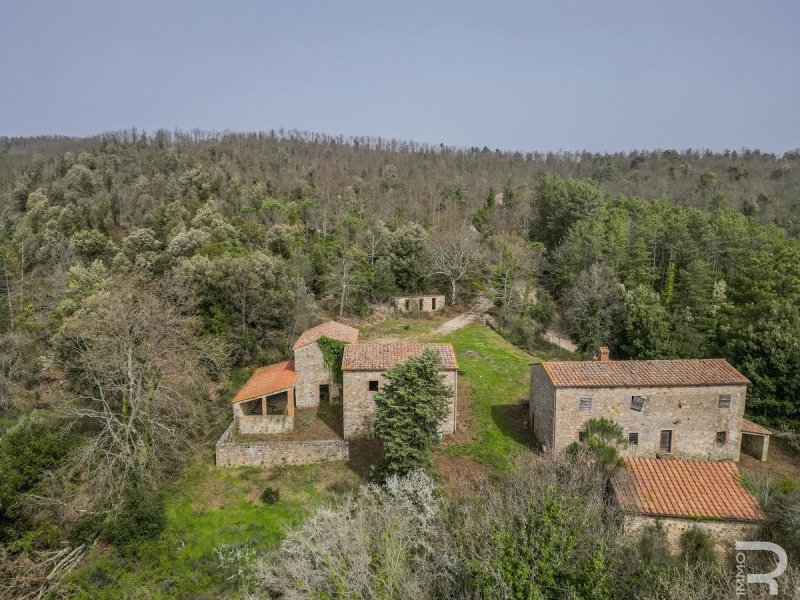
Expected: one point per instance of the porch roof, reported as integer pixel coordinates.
(268, 380)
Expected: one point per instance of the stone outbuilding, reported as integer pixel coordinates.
(683, 494)
(315, 381)
(265, 404)
(428, 303)
(363, 366)
(679, 408)
(755, 440)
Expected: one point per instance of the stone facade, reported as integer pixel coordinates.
(312, 373)
(429, 303)
(691, 413)
(233, 453)
(725, 533)
(359, 403)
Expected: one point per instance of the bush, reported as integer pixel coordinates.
(27, 449)
(141, 516)
(697, 546)
(270, 496)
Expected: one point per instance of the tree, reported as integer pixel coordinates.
(453, 255)
(644, 332)
(604, 439)
(138, 383)
(591, 307)
(407, 256)
(407, 414)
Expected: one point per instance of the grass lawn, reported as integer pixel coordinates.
(495, 381)
(210, 507)
(397, 327)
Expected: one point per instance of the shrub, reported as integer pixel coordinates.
(270, 496)
(27, 449)
(697, 546)
(141, 516)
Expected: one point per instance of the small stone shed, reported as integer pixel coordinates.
(681, 494)
(363, 366)
(689, 408)
(265, 404)
(755, 440)
(315, 381)
(428, 303)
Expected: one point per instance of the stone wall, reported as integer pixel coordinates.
(413, 303)
(258, 424)
(543, 397)
(755, 445)
(691, 413)
(359, 403)
(725, 533)
(312, 373)
(233, 453)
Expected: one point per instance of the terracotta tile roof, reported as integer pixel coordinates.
(685, 488)
(643, 373)
(750, 427)
(268, 380)
(377, 357)
(331, 329)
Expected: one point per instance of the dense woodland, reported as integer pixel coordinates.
(138, 272)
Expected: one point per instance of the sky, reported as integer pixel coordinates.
(595, 75)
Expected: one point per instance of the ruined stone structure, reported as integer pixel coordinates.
(428, 304)
(315, 380)
(363, 365)
(231, 452)
(680, 408)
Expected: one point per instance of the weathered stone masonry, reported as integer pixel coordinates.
(312, 372)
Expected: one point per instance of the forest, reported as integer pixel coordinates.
(141, 273)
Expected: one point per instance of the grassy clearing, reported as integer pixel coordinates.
(399, 327)
(207, 508)
(496, 380)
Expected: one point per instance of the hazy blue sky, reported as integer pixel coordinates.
(541, 75)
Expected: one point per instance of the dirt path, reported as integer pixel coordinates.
(482, 304)
(559, 339)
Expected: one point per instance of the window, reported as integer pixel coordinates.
(324, 392)
(725, 401)
(637, 403)
(585, 404)
(581, 436)
(421, 303)
(722, 438)
(666, 441)
(633, 439)
(373, 385)
(433, 303)
(408, 304)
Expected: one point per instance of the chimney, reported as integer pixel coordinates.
(602, 354)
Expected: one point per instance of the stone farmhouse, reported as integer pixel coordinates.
(362, 367)
(676, 408)
(428, 304)
(267, 403)
(682, 494)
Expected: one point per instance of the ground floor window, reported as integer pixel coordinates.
(373, 385)
(581, 436)
(722, 437)
(324, 392)
(666, 441)
(633, 439)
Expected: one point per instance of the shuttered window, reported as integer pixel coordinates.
(637, 403)
(725, 401)
(585, 403)
(666, 441)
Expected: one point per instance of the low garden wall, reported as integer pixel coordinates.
(236, 453)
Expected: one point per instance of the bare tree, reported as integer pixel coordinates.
(452, 254)
(345, 278)
(137, 370)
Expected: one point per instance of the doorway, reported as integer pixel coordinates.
(324, 393)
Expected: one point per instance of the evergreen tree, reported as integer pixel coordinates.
(408, 412)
